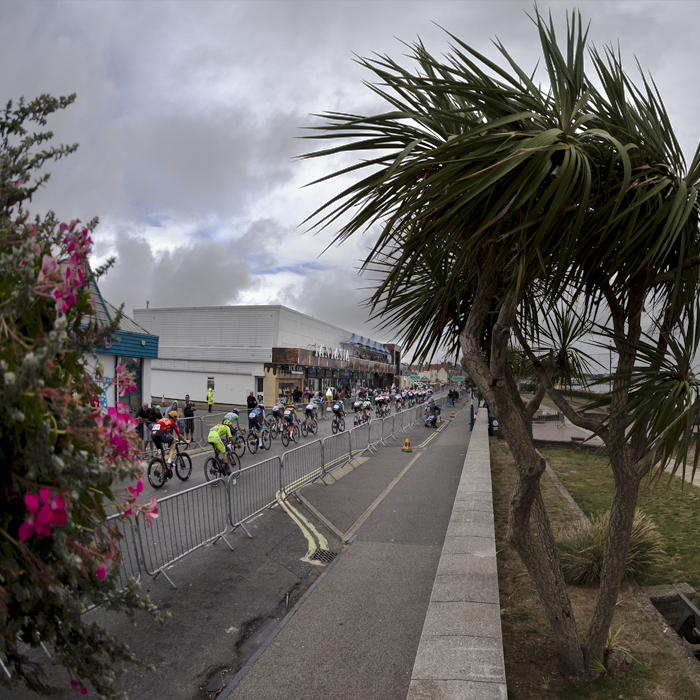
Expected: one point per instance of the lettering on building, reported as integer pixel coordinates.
(332, 353)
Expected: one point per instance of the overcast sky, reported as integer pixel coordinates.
(188, 116)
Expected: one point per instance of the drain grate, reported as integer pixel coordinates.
(324, 555)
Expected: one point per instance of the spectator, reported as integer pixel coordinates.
(296, 395)
(142, 416)
(180, 422)
(251, 400)
(190, 408)
(210, 398)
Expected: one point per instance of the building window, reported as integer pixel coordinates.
(210, 383)
(133, 365)
(259, 384)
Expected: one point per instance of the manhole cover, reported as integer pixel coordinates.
(324, 555)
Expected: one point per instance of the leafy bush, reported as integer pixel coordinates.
(581, 549)
(61, 460)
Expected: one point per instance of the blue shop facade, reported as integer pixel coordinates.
(132, 347)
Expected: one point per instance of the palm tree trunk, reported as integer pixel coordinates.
(624, 503)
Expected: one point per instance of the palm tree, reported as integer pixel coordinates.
(498, 201)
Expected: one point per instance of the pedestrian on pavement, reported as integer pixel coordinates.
(210, 398)
(142, 417)
(190, 408)
(251, 400)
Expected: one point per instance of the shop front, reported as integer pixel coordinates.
(319, 368)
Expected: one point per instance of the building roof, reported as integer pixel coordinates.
(106, 312)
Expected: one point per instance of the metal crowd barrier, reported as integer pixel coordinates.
(186, 521)
(359, 439)
(301, 466)
(256, 488)
(201, 515)
(336, 451)
(130, 565)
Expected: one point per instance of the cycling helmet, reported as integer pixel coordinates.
(230, 417)
(234, 410)
(227, 422)
(174, 415)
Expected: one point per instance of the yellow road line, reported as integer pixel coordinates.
(315, 540)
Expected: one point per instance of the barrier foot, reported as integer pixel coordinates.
(170, 581)
(221, 537)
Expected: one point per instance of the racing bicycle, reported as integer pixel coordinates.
(338, 424)
(214, 467)
(253, 439)
(159, 471)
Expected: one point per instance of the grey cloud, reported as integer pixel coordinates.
(206, 273)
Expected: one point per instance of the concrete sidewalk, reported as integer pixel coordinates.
(354, 633)
(357, 632)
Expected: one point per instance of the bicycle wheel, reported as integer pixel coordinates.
(304, 429)
(234, 464)
(212, 470)
(341, 424)
(285, 437)
(183, 466)
(334, 425)
(252, 443)
(156, 473)
(266, 440)
(295, 433)
(274, 430)
(239, 446)
(313, 427)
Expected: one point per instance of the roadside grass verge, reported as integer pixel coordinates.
(673, 506)
(531, 653)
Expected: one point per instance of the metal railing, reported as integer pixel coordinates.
(254, 489)
(300, 466)
(336, 451)
(186, 521)
(201, 515)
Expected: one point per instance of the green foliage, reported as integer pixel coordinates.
(581, 549)
(62, 461)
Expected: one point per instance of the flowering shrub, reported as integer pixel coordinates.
(62, 462)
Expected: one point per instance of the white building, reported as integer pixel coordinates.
(264, 349)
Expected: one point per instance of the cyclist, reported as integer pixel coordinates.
(234, 421)
(339, 409)
(277, 411)
(255, 421)
(162, 433)
(368, 409)
(218, 434)
(290, 414)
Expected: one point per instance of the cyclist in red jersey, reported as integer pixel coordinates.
(162, 430)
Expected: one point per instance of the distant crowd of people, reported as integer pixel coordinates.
(150, 413)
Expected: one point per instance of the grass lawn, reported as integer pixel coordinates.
(673, 506)
(531, 653)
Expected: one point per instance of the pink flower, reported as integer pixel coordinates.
(152, 512)
(48, 268)
(78, 688)
(136, 492)
(101, 572)
(43, 515)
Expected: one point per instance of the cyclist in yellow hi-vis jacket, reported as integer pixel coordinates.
(223, 430)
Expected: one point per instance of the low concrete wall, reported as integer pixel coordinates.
(460, 654)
